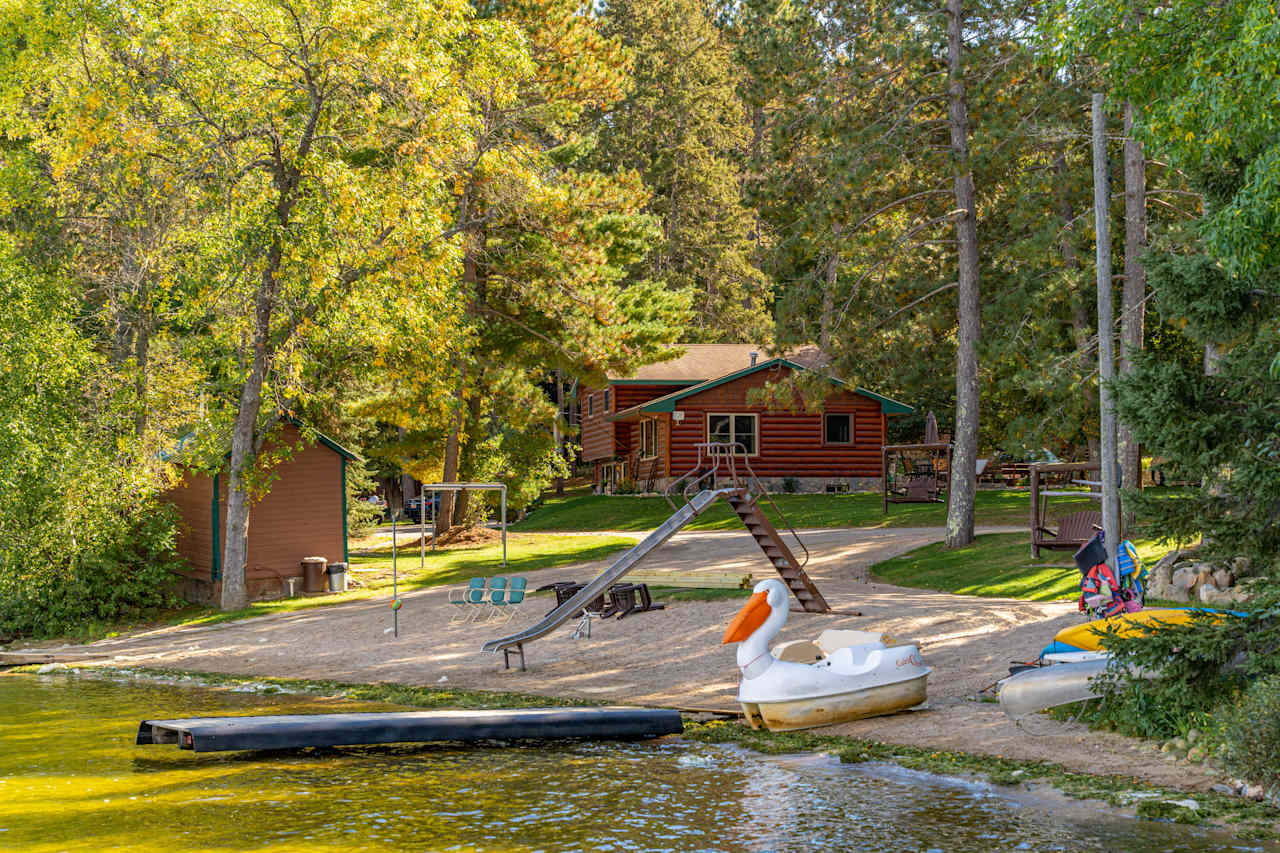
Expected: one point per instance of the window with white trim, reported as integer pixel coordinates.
(837, 428)
(735, 429)
(648, 438)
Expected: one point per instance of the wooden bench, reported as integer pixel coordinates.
(693, 580)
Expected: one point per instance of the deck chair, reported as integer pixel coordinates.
(505, 608)
(467, 601)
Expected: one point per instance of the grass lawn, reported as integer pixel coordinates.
(621, 512)
(445, 566)
(996, 566)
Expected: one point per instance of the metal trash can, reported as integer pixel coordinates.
(337, 577)
(313, 574)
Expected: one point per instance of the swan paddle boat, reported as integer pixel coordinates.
(817, 684)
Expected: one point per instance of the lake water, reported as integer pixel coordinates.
(71, 778)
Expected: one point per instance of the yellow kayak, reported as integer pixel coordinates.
(1088, 636)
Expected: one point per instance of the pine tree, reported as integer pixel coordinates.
(683, 128)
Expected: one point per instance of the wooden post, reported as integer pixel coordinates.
(1106, 354)
(1034, 476)
(884, 481)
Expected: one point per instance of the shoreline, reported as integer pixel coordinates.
(1056, 785)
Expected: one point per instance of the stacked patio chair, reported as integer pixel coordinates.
(482, 600)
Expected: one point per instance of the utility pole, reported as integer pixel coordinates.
(1106, 353)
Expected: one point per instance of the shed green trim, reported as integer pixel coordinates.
(888, 406)
(345, 556)
(655, 381)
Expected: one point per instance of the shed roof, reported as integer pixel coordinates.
(667, 403)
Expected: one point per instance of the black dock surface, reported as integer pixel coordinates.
(294, 731)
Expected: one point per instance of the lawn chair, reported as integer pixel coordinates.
(505, 608)
(497, 597)
(467, 601)
(628, 598)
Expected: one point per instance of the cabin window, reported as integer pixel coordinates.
(648, 439)
(591, 404)
(735, 429)
(607, 400)
(838, 428)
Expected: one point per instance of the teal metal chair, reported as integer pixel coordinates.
(468, 602)
(505, 597)
(497, 597)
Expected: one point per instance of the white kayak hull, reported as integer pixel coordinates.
(807, 713)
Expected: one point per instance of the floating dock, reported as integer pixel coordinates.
(295, 731)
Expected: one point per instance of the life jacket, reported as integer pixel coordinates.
(1099, 584)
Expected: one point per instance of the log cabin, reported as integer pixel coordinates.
(303, 514)
(641, 431)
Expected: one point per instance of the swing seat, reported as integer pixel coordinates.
(1073, 531)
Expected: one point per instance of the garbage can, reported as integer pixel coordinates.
(338, 577)
(313, 574)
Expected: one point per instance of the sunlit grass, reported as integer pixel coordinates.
(622, 512)
(445, 566)
(996, 565)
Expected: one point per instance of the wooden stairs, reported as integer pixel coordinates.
(770, 542)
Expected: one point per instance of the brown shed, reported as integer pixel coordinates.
(303, 515)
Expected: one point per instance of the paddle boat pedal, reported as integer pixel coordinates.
(809, 685)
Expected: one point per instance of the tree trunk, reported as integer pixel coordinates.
(963, 485)
(235, 550)
(831, 275)
(1081, 319)
(450, 474)
(141, 356)
(1132, 307)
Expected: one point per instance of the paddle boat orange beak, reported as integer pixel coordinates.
(749, 618)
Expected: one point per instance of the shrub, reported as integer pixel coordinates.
(1252, 733)
(790, 485)
(1185, 671)
(125, 572)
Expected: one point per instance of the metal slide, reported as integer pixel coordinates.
(609, 576)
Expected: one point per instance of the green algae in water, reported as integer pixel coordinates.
(71, 778)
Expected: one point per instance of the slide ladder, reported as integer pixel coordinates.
(610, 576)
(770, 542)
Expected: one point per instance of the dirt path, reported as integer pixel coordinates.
(674, 657)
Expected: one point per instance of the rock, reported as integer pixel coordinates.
(1167, 562)
(1223, 579)
(1253, 792)
(1167, 746)
(1241, 566)
(1193, 736)
(1180, 743)
(1184, 578)
(1196, 754)
(1210, 594)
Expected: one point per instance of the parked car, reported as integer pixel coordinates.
(413, 507)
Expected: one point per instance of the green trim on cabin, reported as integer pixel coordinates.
(345, 556)
(215, 568)
(888, 406)
(655, 381)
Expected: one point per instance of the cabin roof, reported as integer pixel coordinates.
(696, 363)
(667, 402)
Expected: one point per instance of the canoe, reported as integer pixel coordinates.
(1088, 636)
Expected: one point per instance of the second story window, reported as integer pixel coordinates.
(591, 404)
